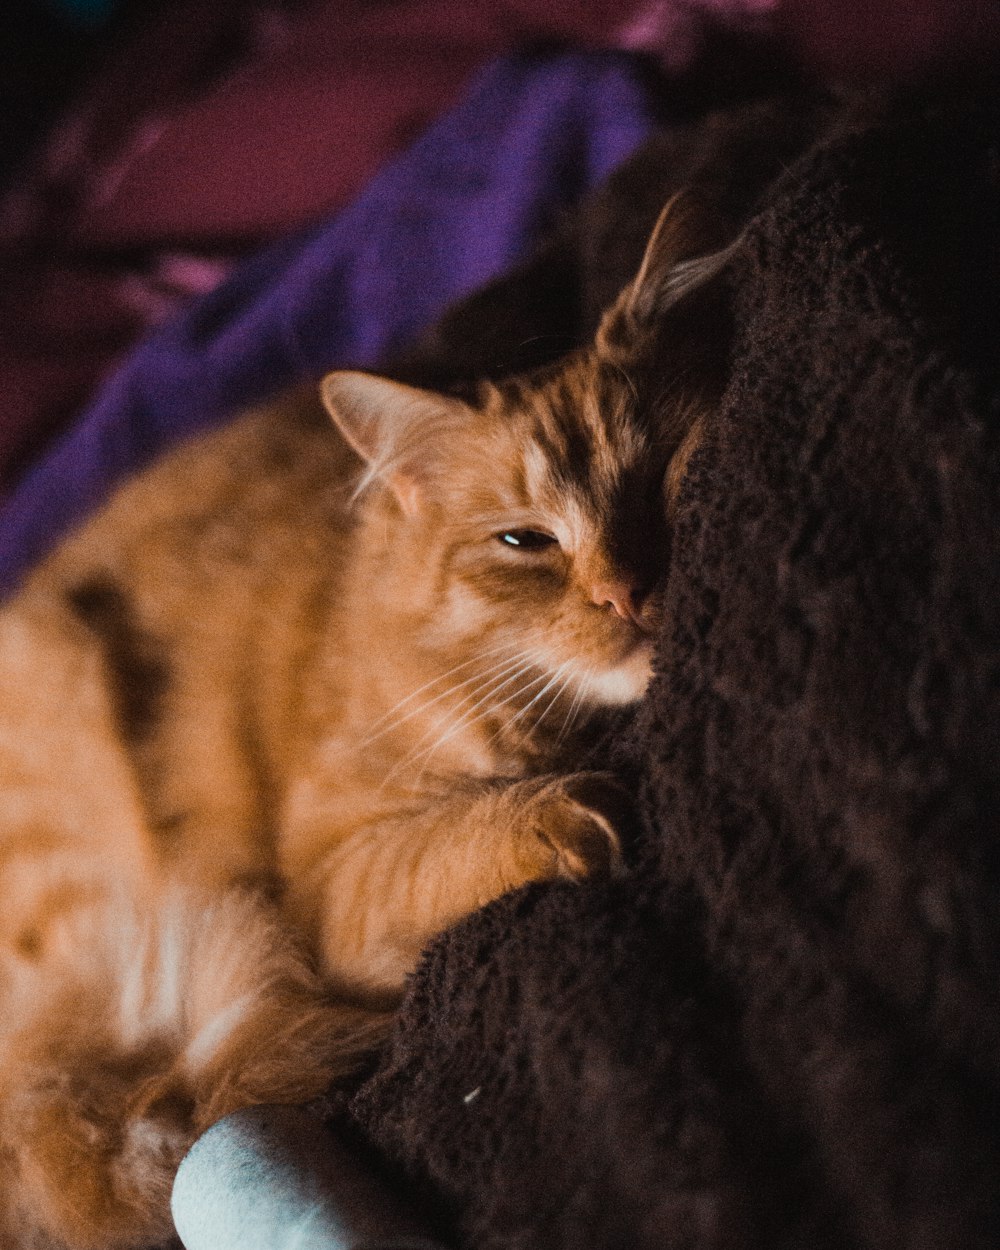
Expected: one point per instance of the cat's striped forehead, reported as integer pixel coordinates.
(576, 432)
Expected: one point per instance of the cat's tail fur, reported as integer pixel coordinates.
(127, 1035)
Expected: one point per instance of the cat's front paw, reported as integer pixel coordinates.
(577, 820)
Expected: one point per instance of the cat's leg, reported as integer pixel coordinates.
(374, 882)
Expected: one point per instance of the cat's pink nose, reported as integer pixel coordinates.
(620, 595)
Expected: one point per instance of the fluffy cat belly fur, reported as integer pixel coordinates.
(261, 739)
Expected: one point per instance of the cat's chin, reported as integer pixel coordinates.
(627, 682)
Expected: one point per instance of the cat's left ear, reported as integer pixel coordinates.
(393, 428)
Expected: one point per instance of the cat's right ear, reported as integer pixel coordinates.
(678, 273)
(393, 428)
(677, 310)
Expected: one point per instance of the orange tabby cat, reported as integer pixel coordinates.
(292, 700)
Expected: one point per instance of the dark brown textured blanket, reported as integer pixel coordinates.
(782, 1028)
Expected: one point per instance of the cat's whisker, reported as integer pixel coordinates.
(560, 691)
(574, 708)
(495, 679)
(469, 716)
(503, 648)
(472, 714)
(499, 668)
(556, 677)
(491, 688)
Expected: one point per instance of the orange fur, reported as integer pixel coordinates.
(253, 731)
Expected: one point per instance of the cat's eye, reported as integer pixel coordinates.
(526, 540)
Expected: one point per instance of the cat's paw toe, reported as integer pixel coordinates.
(580, 820)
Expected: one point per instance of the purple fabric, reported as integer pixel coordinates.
(474, 194)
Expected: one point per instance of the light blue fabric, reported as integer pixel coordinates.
(273, 1178)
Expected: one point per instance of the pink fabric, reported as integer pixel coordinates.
(320, 99)
(673, 30)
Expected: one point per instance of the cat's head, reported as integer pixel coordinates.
(532, 526)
